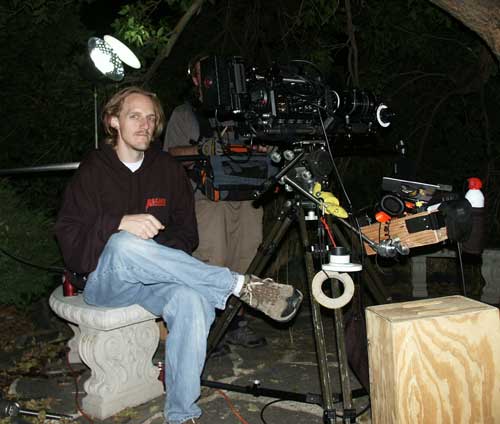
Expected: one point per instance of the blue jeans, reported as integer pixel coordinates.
(180, 288)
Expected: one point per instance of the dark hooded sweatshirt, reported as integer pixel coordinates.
(103, 190)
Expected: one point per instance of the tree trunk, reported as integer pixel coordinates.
(481, 16)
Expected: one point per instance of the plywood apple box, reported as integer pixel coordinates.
(434, 361)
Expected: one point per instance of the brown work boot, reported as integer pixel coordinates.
(278, 301)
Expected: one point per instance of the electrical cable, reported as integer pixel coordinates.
(337, 174)
(75, 379)
(328, 230)
(358, 414)
(232, 407)
(267, 405)
(362, 253)
(461, 267)
(56, 270)
(317, 86)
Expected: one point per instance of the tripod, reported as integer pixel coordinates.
(290, 213)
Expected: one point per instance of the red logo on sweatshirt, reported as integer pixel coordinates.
(158, 202)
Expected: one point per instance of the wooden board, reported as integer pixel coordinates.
(397, 228)
(434, 361)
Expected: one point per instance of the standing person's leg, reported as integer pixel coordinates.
(212, 247)
(244, 233)
(243, 229)
(229, 232)
(188, 317)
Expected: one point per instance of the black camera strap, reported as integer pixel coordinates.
(433, 221)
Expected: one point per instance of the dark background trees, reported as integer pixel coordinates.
(438, 73)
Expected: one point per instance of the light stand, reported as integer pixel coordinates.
(96, 119)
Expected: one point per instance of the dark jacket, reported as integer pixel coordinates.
(103, 190)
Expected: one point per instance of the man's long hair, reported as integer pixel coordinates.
(115, 104)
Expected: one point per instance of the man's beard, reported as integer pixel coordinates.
(144, 145)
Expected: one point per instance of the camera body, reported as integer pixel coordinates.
(285, 102)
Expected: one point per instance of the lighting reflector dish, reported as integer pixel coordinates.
(124, 53)
(105, 59)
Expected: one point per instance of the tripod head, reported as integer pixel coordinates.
(308, 165)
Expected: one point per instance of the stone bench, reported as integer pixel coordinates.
(489, 271)
(118, 345)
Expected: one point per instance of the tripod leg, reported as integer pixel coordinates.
(345, 382)
(319, 335)
(259, 262)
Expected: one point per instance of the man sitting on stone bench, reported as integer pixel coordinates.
(128, 221)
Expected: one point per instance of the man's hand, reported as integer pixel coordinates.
(142, 225)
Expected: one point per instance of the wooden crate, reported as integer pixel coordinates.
(434, 361)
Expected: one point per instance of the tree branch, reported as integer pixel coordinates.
(193, 9)
(481, 16)
(353, 47)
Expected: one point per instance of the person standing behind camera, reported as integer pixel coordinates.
(230, 232)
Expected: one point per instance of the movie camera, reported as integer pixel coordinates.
(289, 102)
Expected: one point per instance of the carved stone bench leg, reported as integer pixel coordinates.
(122, 372)
(74, 355)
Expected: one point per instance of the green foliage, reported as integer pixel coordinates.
(26, 233)
(148, 23)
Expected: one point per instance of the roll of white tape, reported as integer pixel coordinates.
(329, 302)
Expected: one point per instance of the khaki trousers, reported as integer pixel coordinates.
(229, 233)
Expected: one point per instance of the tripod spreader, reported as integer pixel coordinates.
(257, 390)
